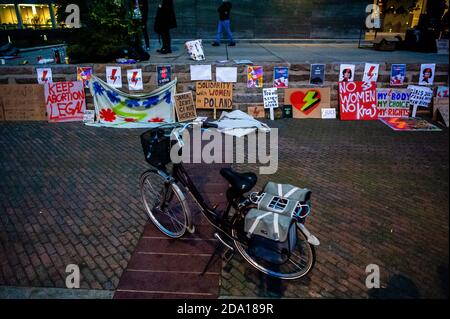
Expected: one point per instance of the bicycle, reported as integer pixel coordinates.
(166, 205)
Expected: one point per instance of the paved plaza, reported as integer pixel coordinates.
(69, 194)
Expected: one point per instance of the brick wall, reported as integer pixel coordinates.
(243, 97)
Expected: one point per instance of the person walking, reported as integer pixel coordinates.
(164, 21)
(224, 23)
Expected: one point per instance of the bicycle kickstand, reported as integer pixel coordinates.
(227, 255)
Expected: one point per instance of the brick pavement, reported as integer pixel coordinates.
(69, 194)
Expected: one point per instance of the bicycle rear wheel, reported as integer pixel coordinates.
(164, 203)
(300, 262)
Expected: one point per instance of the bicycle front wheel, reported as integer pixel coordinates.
(164, 203)
(300, 262)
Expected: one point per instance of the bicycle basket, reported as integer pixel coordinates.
(156, 144)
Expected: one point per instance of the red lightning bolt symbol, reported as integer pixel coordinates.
(133, 78)
(113, 75)
(370, 73)
(44, 75)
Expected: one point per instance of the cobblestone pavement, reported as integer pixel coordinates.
(69, 195)
(379, 197)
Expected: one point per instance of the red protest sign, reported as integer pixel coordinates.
(65, 101)
(358, 100)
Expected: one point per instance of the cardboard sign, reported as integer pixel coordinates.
(317, 74)
(65, 101)
(281, 77)
(214, 95)
(307, 102)
(84, 74)
(371, 72)
(184, 107)
(255, 76)
(426, 76)
(441, 105)
(226, 74)
(420, 95)
(201, 72)
(442, 91)
(164, 74)
(329, 113)
(44, 75)
(257, 112)
(134, 78)
(22, 102)
(347, 73)
(114, 76)
(398, 74)
(358, 100)
(393, 102)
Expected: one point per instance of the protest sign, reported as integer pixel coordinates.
(307, 102)
(287, 111)
(114, 76)
(371, 72)
(329, 113)
(409, 124)
(256, 111)
(44, 75)
(426, 76)
(358, 100)
(226, 74)
(65, 101)
(398, 74)
(134, 78)
(270, 98)
(184, 107)
(164, 74)
(442, 46)
(419, 96)
(441, 105)
(281, 77)
(347, 73)
(84, 74)
(393, 102)
(214, 95)
(255, 76)
(201, 72)
(22, 102)
(115, 108)
(442, 91)
(317, 74)
(195, 50)
(89, 116)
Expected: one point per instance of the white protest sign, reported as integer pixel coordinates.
(419, 96)
(427, 74)
(270, 97)
(44, 75)
(347, 73)
(226, 74)
(89, 116)
(135, 79)
(371, 72)
(328, 113)
(114, 76)
(201, 72)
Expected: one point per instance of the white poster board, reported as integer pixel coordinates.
(114, 76)
(201, 72)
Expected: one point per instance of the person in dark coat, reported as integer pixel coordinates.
(224, 23)
(164, 21)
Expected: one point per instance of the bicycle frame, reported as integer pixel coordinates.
(220, 222)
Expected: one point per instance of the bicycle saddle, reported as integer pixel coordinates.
(241, 182)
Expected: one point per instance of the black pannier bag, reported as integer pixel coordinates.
(156, 144)
(272, 236)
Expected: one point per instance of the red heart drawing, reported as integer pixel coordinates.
(305, 102)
